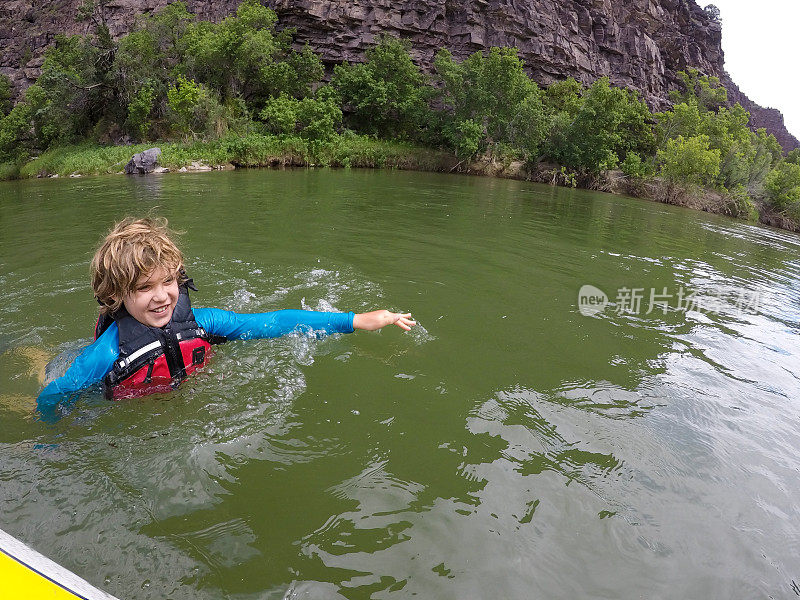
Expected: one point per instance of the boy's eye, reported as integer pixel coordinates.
(169, 279)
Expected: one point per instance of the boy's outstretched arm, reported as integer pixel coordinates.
(245, 326)
(381, 318)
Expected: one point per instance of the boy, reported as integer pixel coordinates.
(148, 338)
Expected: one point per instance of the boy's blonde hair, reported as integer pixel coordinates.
(132, 248)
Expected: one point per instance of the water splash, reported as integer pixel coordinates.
(420, 335)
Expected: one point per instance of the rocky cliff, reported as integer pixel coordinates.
(640, 44)
(770, 119)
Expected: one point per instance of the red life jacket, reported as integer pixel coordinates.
(155, 359)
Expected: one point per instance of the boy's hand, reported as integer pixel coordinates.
(381, 318)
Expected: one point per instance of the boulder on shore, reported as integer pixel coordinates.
(143, 162)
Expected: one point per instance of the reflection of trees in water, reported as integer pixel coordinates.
(534, 445)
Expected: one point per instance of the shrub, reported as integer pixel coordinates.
(9, 170)
(387, 95)
(782, 186)
(707, 92)
(563, 97)
(466, 137)
(689, 161)
(15, 131)
(683, 119)
(490, 104)
(528, 127)
(634, 166)
(183, 98)
(280, 114)
(244, 56)
(487, 91)
(71, 91)
(139, 110)
(745, 157)
(6, 91)
(739, 204)
(610, 123)
(196, 109)
(319, 118)
(313, 118)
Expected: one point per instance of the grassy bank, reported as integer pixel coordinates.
(242, 151)
(356, 151)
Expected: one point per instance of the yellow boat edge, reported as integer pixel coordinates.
(26, 574)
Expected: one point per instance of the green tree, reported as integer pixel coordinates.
(771, 146)
(196, 109)
(745, 157)
(6, 93)
(16, 132)
(793, 156)
(244, 56)
(280, 115)
(312, 118)
(690, 161)
(466, 137)
(610, 123)
(139, 110)
(493, 93)
(563, 97)
(387, 95)
(72, 93)
(634, 166)
(705, 91)
(528, 127)
(682, 119)
(149, 58)
(782, 185)
(318, 118)
(487, 89)
(183, 98)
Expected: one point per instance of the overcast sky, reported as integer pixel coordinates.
(760, 41)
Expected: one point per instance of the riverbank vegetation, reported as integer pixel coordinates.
(237, 92)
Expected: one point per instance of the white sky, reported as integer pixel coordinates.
(759, 38)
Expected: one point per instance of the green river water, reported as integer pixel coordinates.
(508, 447)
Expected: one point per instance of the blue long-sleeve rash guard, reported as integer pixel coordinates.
(96, 360)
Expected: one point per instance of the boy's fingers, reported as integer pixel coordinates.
(403, 320)
(405, 323)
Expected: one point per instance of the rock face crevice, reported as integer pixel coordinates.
(639, 44)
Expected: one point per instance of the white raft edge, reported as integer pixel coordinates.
(34, 561)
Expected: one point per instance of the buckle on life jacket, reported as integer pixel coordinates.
(198, 355)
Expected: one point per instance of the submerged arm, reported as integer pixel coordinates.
(89, 367)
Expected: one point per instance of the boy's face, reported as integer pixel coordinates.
(153, 298)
